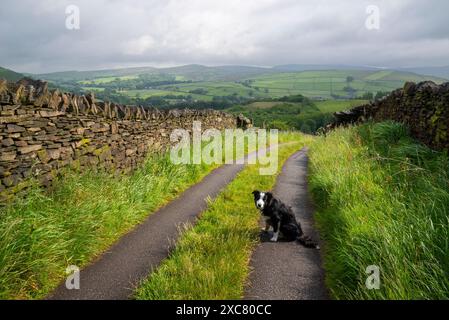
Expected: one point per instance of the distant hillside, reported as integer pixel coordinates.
(442, 72)
(9, 74)
(94, 74)
(320, 67)
(439, 72)
(220, 73)
(196, 72)
(335, 83)
(233, 84)
(192, 72)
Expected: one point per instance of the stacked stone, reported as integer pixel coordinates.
(423, 107)
(43, 131)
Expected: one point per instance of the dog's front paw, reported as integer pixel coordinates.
(274, 238)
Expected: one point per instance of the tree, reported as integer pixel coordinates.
(380, 95)
(279, 124)
(368, 96)
(351, 91)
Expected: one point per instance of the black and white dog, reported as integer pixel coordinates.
(281, 218)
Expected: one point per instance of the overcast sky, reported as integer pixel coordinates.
(120, 33)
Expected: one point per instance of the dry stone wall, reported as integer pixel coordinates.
(423, 107)
(43, 131)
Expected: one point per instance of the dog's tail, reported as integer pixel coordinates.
(308, 242)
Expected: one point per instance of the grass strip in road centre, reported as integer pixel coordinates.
(44, 231)
(211, 259)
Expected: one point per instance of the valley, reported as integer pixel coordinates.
(226, 85)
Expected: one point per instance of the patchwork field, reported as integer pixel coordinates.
(147, 93)
(326, 84)
(330, 106)
(235, 83)
(108, 79)
(314, 84)
(217, 89)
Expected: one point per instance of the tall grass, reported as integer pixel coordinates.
(211, 259)
(43, 233)
(382, 199)
(82, 215)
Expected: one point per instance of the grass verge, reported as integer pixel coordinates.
(84, 213)
(211, 259)
(382, 199)
(43, 233)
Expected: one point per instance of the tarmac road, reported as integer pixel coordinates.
(287, 270)
(115, 274)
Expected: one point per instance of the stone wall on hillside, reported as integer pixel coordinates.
(423, 107)
(43, 131)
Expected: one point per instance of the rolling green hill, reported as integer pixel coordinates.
(442, 72)
(94, 74)
(195, 72)
(332, 83)
(192, 72)
(220, 73)
(233, 84)
(9, 74)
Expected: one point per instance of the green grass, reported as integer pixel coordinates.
(92, 89)
(248, 84)
(10, 75)
(240, 81)
(331, 106)
(379, 75)
(42, 234)
(308, 83)
(211, 89)
(262, 105)
(307, 116)
(211, 259)
(276, 114)
(382, 199)
(147, 93)
(327, 82)
(108, 79)
(326, 106)
(219, 88)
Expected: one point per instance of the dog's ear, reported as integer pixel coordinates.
(256, 192)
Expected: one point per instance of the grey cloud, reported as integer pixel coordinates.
(114, 33)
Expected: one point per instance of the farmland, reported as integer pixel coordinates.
(231, 84)
(256, 92)
(334, 83)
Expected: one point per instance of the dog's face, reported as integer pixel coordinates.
(262, 199)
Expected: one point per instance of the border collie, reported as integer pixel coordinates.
(281, 218)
